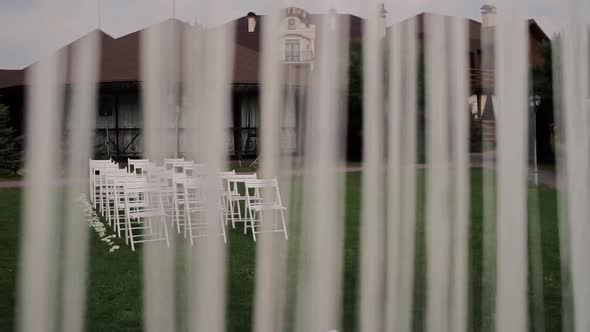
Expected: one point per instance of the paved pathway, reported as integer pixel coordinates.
(6, 184)
(546, 175)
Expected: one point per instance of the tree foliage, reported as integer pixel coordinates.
(542, 86)
(10, 144)
(355, 99)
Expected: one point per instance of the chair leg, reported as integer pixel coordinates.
(223, 231)
(165, 231)
(108, 210)
(117, 222)
(120, 223)
(130, 235)
(225, 212)
(284, 224)
(232, 213)
(189, 224)
(186, 220)
(128, 231)
(177, 213)
(244, 218)
(252, 224)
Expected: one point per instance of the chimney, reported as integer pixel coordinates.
(333, 16)
(488, 16)
(251, 22)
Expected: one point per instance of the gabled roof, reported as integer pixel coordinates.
(120, 59)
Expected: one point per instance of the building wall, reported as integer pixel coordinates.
(123, 125)
(295, 27)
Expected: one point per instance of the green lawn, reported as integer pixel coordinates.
(114, 298)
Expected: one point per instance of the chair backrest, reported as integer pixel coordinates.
(104, 177)
(197, 171)
(169, 163)
(108, 173)
(262, 192)
(192, 183)
(132, 164)
(233, 182)
(154, 174)
(101, 163)
(142, 195)
(223, 180)
(120, 179)
(95, 166)
(142, 169)
(194, 191)
(225, 175)
(181, 166)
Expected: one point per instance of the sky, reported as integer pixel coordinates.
(24, 31)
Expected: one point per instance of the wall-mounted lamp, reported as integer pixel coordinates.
(251, 22)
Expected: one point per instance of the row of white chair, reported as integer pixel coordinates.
(144, 200)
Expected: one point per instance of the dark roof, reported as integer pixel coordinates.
(120, 57)
(121, 62)
(537, 32)
(9, 77)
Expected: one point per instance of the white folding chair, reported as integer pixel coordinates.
(159, 175)
(263, 199)
(119, 217)
(94, 169)
(234, 184)
(176, 181)
(144, 214)
(108, 192)
(195, 206)
(224, 193)
(103, 184)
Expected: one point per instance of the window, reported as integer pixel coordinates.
(293, 50)
(291, 24)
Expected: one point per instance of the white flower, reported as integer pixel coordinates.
(95, 222)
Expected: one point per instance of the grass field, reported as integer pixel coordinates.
(115, 289)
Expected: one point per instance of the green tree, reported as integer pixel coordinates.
(355, 100)
(10, 144)
(542, 86)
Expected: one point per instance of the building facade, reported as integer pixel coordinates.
(119, 120)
